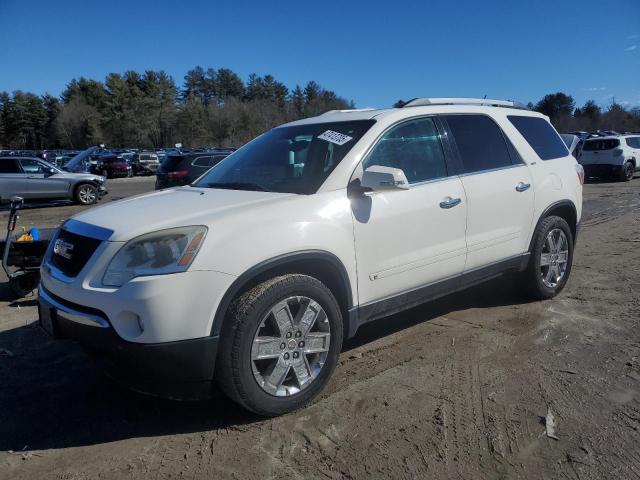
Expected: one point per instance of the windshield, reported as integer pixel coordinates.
(294, 159)
(605, 144)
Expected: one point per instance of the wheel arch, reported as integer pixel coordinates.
(564, 209)
(323, 265)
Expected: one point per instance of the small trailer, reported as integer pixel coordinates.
(21, 258)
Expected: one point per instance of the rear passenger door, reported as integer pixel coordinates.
(634, 143)
(497, 184)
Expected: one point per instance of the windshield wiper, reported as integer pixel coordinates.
(238, 186)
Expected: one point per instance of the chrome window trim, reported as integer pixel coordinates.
(497, 169)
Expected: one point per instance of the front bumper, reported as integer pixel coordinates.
(180, 369)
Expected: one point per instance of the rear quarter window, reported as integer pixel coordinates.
(9, 165)
(540, 135)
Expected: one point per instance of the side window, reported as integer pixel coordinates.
(414, 147)
(633, 142)
(540, 135)
(9, 165)
(201, 162)
(480, 142)
(31, 166)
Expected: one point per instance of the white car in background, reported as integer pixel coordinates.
(615, 157)
(254, 275)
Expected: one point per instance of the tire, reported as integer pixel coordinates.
(23, 285)
(246, 380)
(86, 194)
(536, 278)
(626, 172)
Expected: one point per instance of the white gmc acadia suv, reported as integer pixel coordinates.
(255, 274)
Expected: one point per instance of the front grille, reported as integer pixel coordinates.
(77, 247)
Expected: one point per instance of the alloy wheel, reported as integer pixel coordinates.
(290, 346)
(87, 195)
(554, 258)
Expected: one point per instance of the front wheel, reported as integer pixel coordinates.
(280, 344)
(551, 259)
(86, 194)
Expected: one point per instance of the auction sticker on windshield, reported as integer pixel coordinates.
(335, 137)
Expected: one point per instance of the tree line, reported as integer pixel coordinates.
(213, 107)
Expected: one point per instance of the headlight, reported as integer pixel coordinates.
(157, 253)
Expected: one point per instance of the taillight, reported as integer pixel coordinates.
(617, 151)
(580, 172)
(178, 174)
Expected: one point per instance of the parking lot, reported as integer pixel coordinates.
(457, 388)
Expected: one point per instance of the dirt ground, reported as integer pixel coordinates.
(458, 388)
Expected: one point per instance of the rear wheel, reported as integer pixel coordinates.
(86, 194)
(551, 259)
(626, 174)
(280, 344)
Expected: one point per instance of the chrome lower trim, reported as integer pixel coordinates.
(71, 314)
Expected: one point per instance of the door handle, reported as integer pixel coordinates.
(521, 186)
(449, 202)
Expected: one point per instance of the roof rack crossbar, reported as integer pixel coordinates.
(421, 102)
(349, 110)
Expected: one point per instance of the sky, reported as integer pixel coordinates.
(372, 52)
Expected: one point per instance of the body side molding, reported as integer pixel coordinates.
(403, 301)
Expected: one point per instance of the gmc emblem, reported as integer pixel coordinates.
(62, 248)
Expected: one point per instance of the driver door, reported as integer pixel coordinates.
(409, 239)
(40, 182)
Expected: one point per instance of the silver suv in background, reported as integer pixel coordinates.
(35, 179)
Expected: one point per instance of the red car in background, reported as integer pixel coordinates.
(110, 166)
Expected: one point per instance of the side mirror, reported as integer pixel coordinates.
(379, 178)
(49, 171)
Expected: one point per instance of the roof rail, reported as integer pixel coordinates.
(421, 102)
(349, 110)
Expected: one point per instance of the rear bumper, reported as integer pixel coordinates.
(163, 182)
(601, 170)
(179, 370)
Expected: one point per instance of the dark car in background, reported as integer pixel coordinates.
(184, 168)
(111, 166)
(145, 163)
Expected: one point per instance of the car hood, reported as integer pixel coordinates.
(173, 207)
